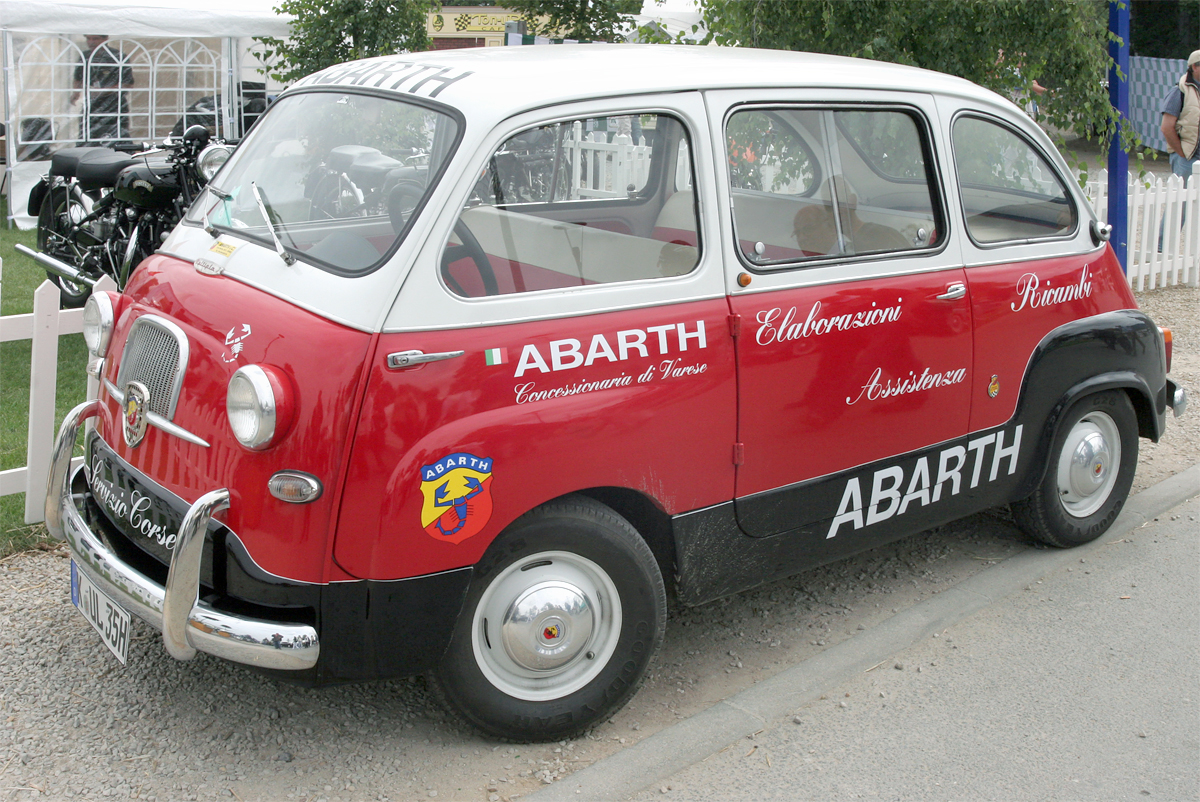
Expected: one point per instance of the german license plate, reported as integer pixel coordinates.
(106, 616)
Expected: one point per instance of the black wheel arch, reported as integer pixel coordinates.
(1120, 350)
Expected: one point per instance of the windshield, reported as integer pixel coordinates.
(338, 176)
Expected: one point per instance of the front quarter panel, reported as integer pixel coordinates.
(665, 430)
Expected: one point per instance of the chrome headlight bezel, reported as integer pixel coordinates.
(250, 406)
(211, 160)
(98, 319)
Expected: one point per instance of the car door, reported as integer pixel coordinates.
(855, 321)
(564, 329)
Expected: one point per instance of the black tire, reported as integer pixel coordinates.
(52, 233)
(596, 613)
(1088, 475)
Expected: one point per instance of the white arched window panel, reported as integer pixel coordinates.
(46, 114)
(114, 82)
(256, 83)
(187, 76)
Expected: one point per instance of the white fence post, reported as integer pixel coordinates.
(43, 385)
(43, 327)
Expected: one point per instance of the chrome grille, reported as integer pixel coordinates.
(156, 354)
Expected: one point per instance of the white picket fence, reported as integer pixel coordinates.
(43, 326)
(611, 168)
(1164, 228)
(603, 169)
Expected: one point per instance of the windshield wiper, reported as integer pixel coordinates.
(287, 258)
(209, 228)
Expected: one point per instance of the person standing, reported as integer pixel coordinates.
(105, 104)
(1181, 128)
(1181, 119)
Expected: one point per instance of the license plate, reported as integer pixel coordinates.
(106, 616)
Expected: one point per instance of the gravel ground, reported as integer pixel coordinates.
(76, 724)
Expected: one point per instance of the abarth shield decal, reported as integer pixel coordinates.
(457, 491)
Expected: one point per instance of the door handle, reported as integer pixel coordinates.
(953, 292)
(408, 359)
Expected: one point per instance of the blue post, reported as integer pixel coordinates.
(1118, 159)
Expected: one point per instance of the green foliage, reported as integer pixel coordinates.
(1005, 45)
(328, 32)
(584, 20)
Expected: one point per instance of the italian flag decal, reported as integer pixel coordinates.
(496, 356)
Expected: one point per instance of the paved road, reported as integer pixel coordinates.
(1081, 682)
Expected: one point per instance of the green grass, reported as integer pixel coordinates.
(19, 279)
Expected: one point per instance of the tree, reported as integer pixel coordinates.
(585, 20)
(328, 32)
(1005, 45)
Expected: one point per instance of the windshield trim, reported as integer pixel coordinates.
(302, 256)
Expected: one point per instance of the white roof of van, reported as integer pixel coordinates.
(500, 81)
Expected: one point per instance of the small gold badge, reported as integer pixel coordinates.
(994, 387)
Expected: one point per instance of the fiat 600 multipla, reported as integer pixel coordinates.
(463, 360)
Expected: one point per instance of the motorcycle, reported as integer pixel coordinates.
(101, 211)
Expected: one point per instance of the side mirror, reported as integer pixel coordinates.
(1101, 232)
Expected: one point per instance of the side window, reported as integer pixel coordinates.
(1009, 192)
(811, 183)
(568, 204)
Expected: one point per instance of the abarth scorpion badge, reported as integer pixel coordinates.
(137, 397)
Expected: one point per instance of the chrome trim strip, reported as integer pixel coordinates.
(252, 641)
(156, 420)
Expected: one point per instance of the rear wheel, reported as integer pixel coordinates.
(1092, 462)
(561, 620)
(59, 212)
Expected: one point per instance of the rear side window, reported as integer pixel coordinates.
(814, 183)
(1009, 192)
(569, 204)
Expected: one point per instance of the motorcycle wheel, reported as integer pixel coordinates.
(52, 238)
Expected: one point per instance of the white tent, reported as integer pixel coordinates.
(177, 52)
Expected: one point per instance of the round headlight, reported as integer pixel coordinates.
(258, 405)
(98, 323)
(211, 159)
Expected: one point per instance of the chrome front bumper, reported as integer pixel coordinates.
(188, 624)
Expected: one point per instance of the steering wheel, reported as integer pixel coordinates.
(470, 247)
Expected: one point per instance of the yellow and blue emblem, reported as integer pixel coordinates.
(457, 491)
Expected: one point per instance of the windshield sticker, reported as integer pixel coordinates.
(776, 326)
(235, 339)
(223, 248)
(1034, 295)
(874, 390)
(457, 491)
(399, 76)
(887, 500)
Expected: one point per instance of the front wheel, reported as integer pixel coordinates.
(561, 620)
(60, 212)
(1091, 467)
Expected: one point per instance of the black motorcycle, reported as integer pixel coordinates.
(102, 211)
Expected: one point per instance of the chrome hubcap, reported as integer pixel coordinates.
(1088, 464)
(546, 626)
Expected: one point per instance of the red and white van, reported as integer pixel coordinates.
(464, 358)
